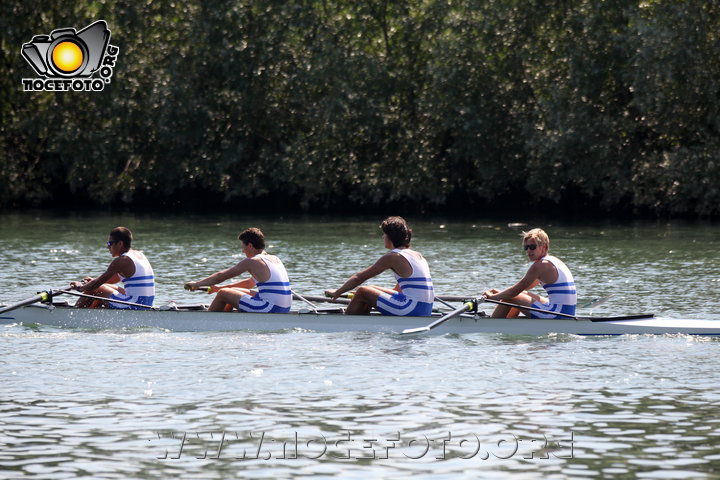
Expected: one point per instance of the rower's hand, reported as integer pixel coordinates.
(332, 294)
(193, 286)
(490, 293)
(78, 285)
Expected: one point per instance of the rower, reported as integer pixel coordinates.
(130, 267)
(267, 272)
(549, 272)
(413, 294)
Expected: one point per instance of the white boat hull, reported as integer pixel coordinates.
(188, 321)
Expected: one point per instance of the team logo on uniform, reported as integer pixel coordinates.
(68, 60)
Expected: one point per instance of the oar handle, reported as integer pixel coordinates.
(348, 295)
(208, 289)
(304, 299)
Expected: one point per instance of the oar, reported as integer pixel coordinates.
(348, 295)
(455, 298)
(593, 303)
(40, 297)
(467, 306)
(208, 289)
(314, 298)
(107, 299)
(483, 299)
(344, 299)
(597, 302)
(441, 300)
(305, 298)
(300, 297)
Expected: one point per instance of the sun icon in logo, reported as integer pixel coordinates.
(67, 56)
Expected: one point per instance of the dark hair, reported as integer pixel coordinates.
(397, 231)
(253, 236)
(122, 234)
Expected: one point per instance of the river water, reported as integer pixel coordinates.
(154, 404)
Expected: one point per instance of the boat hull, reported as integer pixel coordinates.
(190, 321)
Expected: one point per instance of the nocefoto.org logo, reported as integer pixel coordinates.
(66, 59)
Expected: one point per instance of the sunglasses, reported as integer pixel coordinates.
(532, 246)
(111, 242)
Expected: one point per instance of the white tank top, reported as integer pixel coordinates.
(277, 289)
(418, 285)
(562, 291)
(142, 283)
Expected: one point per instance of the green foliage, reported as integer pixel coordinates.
(422, 102)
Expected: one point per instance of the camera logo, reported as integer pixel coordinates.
(67, 59)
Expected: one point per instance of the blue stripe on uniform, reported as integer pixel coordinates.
(258, 305)
(276, 292)
(134, 279)
(402, 301)
(142, 300)
(118, 296)
(252, 306)
(550, 309)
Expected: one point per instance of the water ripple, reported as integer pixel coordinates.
(153, 404)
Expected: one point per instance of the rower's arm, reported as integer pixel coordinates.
(361, 277)
(247, 283)
(221, 276)
(529, 281)
(111, 275)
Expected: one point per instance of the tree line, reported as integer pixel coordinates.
(314, 104)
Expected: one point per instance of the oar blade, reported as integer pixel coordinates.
(467, 306)
(409, 331)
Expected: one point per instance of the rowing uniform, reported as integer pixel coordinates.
(416, 294)
(140, 288)
(273, 296)
(562, 296)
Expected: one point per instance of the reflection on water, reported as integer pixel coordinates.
(152, 404)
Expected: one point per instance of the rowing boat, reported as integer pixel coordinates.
(195, 318)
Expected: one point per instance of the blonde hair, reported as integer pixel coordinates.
(538, 235)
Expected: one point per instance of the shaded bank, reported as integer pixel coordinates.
(321, 106)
